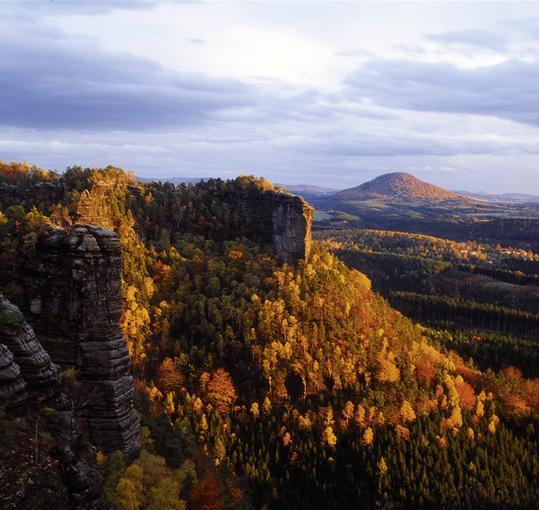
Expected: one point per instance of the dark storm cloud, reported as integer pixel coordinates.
(508, 90)
(472, 38)
(51, 82)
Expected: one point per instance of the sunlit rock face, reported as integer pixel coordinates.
(276, 218)
(73, 301)
(292, 219)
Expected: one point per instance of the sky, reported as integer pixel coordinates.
(323, 93)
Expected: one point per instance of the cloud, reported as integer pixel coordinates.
(507, 90)
(401, 139)
(68, 95)
(50, 81)
(472, 38)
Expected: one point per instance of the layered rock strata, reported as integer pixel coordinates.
(29, 377)
(12, 386)
(292, 220)
(74, 304)
(276, 218)
(38, 371)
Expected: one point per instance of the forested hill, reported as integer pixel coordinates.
(400, 186)
(271, 383)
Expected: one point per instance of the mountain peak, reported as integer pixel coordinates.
(398, 185)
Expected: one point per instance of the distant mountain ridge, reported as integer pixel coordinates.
(309, 190)
(504, 198)
(173, 180)
(399, 186)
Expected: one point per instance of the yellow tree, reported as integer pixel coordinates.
(328, 437)
(387, 371)
(359, 416)
(255, 412)
(407, 412)
(165, 496)
(221, 391)
(128, 494)
(368, 436)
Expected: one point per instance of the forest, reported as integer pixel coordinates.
(368, 376)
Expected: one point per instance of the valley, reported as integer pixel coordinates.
(267, 369)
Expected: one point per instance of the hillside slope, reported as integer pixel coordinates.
(399, 186)
(271, 385)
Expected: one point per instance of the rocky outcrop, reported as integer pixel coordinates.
(12, 385)
(265, 216)
(276, 218)
(37, 369)
(292, 220)
(83, 481)
(29, 377)
(42, 194)
(72, 299)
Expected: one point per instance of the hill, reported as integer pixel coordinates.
(400, 186)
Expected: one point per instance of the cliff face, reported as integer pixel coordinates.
(276, 218)
(292, 220)
(73, 301)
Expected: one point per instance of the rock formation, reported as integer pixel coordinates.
(12, 385)
(266, 216)
(42, 194)
(292, 219)
(72, 298)
(276, 218)
(38, 371)
(29, 377)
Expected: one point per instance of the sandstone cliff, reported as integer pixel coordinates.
(72, 298)
(273, 217)
(266, 216)
(292, 220)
